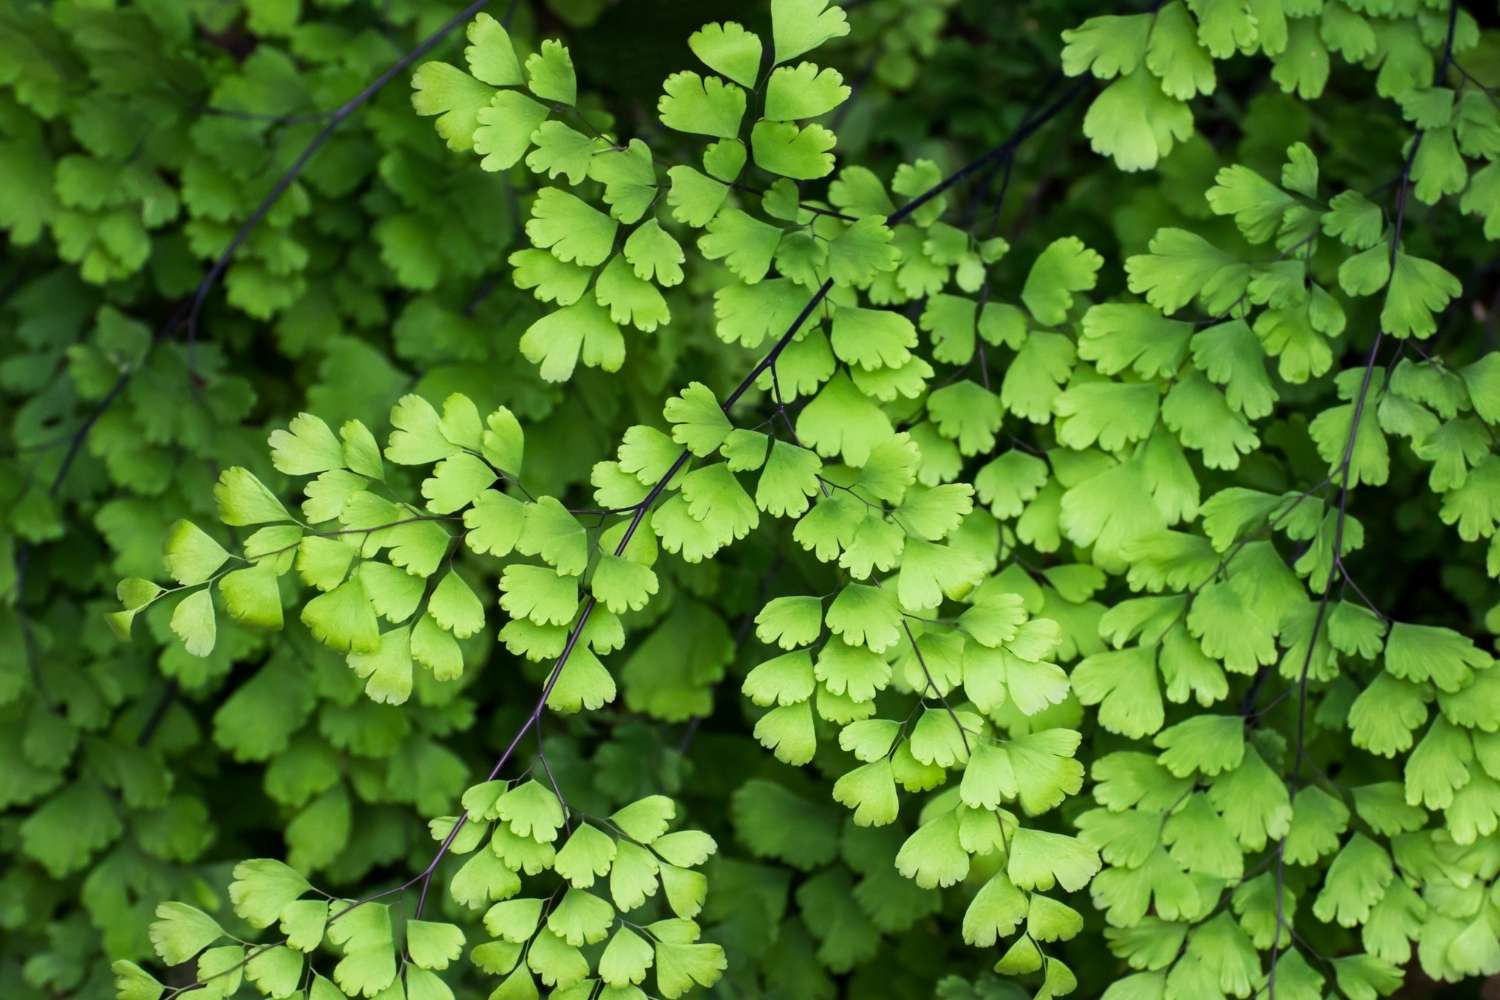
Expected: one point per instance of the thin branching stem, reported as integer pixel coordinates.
(1403, 186)
(639, 511)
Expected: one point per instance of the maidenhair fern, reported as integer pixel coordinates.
(1023, 600)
